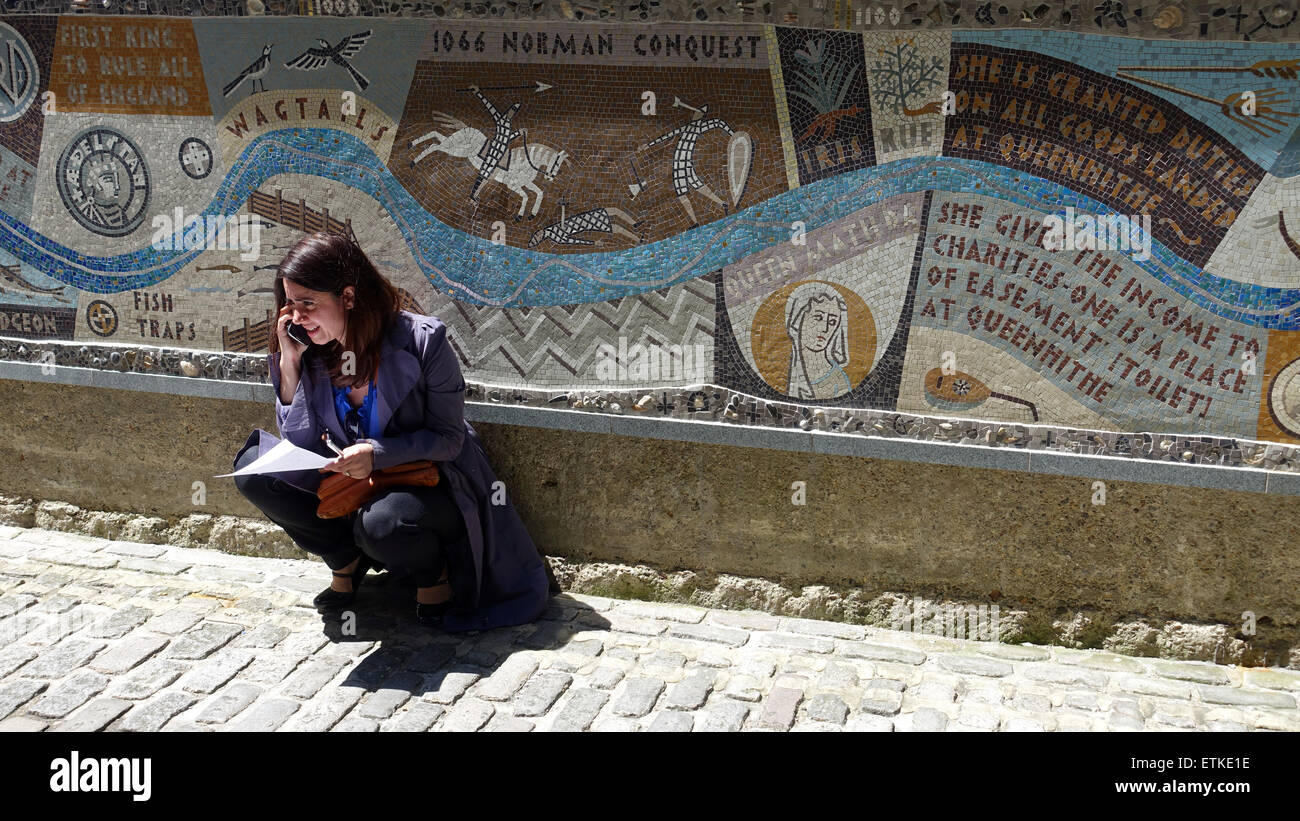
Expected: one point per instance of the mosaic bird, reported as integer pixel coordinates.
(254, 72)
(340, 55)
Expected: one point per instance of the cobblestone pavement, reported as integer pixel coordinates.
(110, 635)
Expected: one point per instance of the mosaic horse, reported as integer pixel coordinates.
(524, 166)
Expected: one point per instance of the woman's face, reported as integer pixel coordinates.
(319, 312)
(819, 324)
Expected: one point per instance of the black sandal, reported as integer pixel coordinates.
(331, 599)
(430, 615)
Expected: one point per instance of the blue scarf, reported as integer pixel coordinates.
(342, 406)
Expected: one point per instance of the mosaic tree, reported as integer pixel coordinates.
(903, 75)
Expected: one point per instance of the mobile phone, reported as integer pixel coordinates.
(298, 334)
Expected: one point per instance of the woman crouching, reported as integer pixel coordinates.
(383, 387)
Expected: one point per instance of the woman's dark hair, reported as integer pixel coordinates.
(330, 263)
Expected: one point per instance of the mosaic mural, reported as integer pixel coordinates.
(1030, 227)
(1254, 20)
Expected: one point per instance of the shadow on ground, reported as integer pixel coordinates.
(419, 659)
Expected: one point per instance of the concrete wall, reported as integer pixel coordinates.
(1130, 574)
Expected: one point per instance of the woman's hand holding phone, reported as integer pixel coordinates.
(291, 351)
(292, 348)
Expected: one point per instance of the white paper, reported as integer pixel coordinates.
(285, 456)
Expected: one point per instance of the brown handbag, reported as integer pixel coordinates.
(340, 494)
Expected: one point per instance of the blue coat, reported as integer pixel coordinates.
(420, 407)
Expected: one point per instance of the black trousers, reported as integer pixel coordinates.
(402, 527)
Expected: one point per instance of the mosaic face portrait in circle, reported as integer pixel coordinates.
(816, 318)
(103, 182)
(103, 187)
(813, 340)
